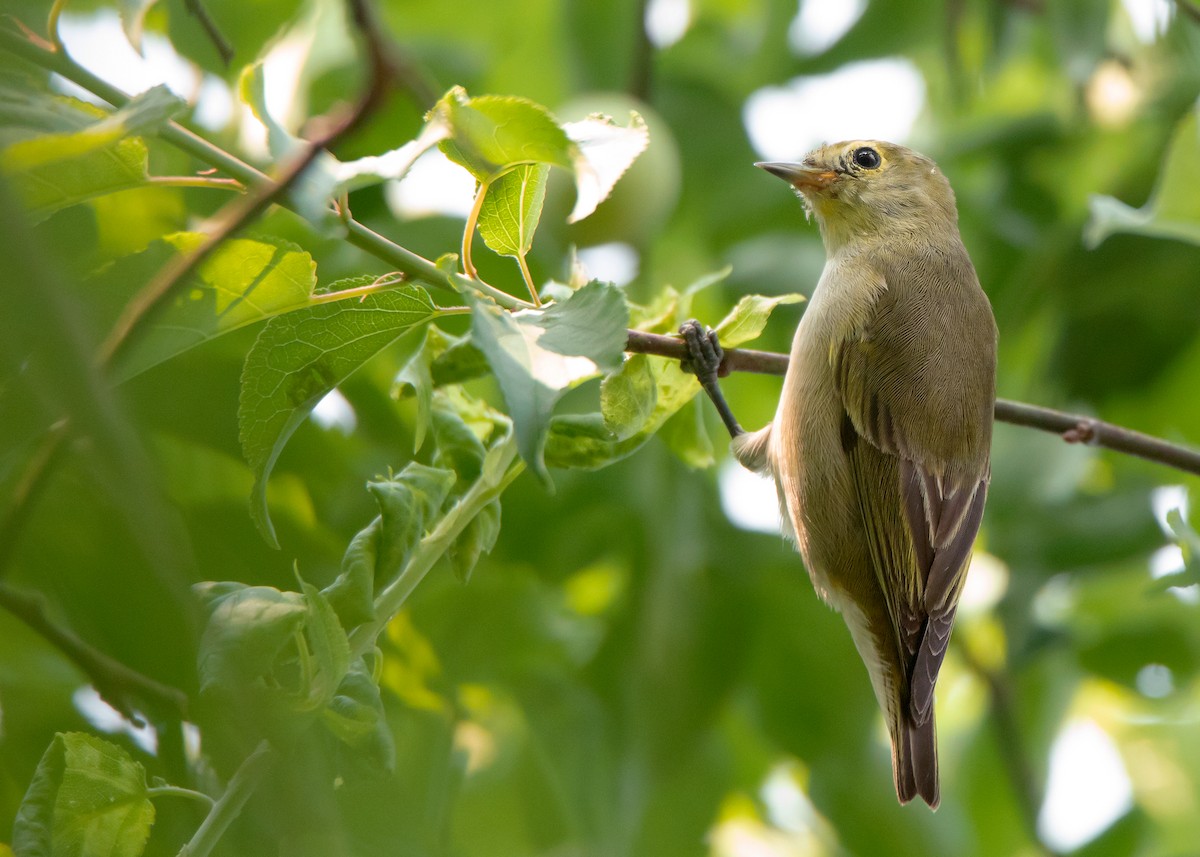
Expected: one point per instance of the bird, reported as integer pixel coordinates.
(880, 445)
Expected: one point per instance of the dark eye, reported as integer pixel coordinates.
(867, 158)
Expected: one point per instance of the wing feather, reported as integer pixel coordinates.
(919, 410)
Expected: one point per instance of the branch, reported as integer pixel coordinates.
(125, 689)
(224, 49)
(229, 806)
(35, 50)
(1190, 9)
(1073, 428)
(237, 214)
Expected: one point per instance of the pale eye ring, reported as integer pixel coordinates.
(867, 158)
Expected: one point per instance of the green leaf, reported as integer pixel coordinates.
(1173, 210)
(585, 442)
(512, 207)
(80, 155)
(458, 448)
(243, 281)
(492, 133)
(301, 356)
(478, 538)
(747, 320)
(356, 717)
(408, 504)
(536, 356)
(87, 799)
(247, 629)
(628, 397)
(328, 646)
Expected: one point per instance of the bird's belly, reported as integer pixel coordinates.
(812, 474)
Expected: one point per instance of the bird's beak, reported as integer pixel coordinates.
(799, 176)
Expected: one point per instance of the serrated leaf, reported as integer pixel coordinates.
(746, 321)
(67, 155)
(301, 356)
(492, 133)
(245, 280)
(407, 504)
(628, 397)
(592, 323)
(87, 799)
(512, 207)
(536, 356)
(1173, 210)
(605, 150)
(247, 629)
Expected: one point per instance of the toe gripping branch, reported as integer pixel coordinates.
(705, 360)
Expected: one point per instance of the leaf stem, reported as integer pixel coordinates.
(435, 544)
(196, 181)
(179, 791)
(229, 806)
(537, 301)
(469, 230)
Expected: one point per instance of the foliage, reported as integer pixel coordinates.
(591, 658)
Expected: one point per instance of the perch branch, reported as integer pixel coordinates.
(1073, 428)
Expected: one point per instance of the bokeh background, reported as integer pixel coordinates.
(641, 666)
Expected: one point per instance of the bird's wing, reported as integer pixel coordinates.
(917, 432)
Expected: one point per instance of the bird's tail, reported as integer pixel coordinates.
(914, 759)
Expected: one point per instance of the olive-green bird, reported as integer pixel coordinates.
(880, 445)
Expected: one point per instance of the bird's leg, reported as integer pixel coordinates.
(704, 361)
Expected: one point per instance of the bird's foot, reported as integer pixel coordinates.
(705, 359)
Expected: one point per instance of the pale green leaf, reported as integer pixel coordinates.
(66, 154)
(746, 321)
(686, 435)
(512, 207)
(88, 799)
(478, 538)
(491, 133)
(301, 356)
(243, 281)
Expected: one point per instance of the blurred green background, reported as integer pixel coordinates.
(629, 673)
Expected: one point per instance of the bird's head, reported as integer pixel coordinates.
(863, 189)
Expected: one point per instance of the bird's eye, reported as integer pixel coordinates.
(867, 158)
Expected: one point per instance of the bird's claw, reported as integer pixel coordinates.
(704, 353)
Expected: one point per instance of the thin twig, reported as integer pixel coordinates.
(33, 48)
(237, 214)
(1190, 9)
(229, 806)
(1073, 428)
(30, 482)
(125, 689)
(197, 10)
